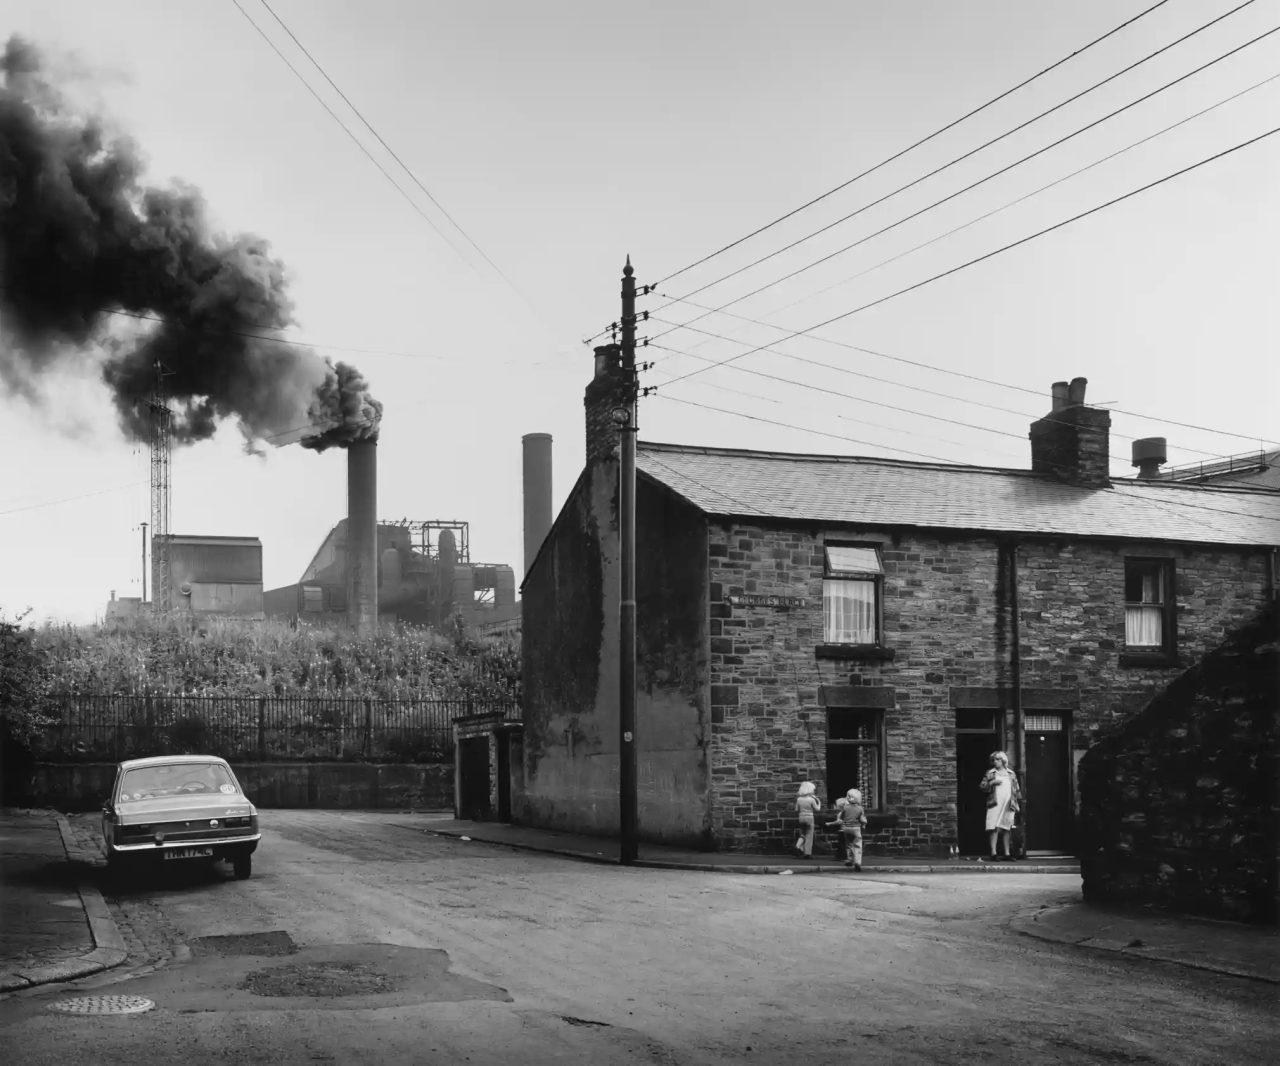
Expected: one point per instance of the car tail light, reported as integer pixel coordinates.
(238, 823)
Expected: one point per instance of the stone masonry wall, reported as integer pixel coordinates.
(947, 624)
(1180, 808)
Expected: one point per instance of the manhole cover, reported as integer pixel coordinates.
(103, 1005)
(318, 979)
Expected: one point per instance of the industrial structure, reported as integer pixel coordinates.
(365, 571)
(423, 575)
(210, 576)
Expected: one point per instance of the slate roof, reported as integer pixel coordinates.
(887, 492)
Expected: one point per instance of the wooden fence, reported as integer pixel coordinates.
(94, 728)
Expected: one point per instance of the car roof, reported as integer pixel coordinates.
(169, 760)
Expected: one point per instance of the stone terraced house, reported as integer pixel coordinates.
(866, 622)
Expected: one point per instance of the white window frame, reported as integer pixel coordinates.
(853, 564)
(1154, 609)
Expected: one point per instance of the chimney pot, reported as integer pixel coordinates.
(1059, 394)
(609, 388)
(1075, 391)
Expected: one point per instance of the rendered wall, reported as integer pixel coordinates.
(570, 655)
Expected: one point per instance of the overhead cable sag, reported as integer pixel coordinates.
(390, 151)
(924, 140)
(997, 251)
(951, 196)
(963, 226)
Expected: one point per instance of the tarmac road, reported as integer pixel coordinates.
(411, 947)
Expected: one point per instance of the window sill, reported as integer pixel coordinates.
(854, 651)
(1149, 658)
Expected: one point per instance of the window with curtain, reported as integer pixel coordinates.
(1148, 596)
(855, 755)
(851, 594)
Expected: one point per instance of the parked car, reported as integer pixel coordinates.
(177, 808)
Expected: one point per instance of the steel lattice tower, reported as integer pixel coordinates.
(161, 442)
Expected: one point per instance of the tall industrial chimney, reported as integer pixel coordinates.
(362, 537)
(537, 493)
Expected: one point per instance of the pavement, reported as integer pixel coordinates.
(55, 925)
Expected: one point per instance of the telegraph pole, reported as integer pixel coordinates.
(625, 417)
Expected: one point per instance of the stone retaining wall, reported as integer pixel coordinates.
(1180, 808)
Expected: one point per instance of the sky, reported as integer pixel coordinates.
(536, 146)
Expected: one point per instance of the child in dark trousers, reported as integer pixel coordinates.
(853, 816)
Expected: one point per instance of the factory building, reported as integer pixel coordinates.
(215, 576)
(425, 576)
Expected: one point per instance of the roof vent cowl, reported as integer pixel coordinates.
(1149, 454)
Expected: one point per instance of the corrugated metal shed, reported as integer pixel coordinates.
(211, 560)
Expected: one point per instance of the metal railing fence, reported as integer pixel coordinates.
(100, 728)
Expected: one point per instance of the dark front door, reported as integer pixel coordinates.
(1048, 784)
(473, 788)
(973, 758)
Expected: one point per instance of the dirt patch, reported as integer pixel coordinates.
(274, 942)
(326, 979)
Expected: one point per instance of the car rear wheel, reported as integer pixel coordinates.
(242, 865)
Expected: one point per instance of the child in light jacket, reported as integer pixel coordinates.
(853, 817)
(807, 805)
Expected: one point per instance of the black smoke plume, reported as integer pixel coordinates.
(99, 268)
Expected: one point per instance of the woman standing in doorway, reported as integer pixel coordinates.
(807, 805)
(1003, 802)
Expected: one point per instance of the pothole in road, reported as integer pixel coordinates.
(275, 942)
(327, 979)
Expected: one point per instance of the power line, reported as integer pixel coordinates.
(356, 140)
(1004, 248)
(1165, 504)
(842, 417)
(390, 151)
(650, 457)
(987, 145)
(849, 396)
(73, 499)
(958, 192)
(804, 429)
(893, 407)
(917, 144)
(919, 388)
(980, 218)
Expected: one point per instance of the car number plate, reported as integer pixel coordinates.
(189, 853)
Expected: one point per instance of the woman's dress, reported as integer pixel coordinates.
(1000, 815)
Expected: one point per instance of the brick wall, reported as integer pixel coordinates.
(947, 622)
(1180, 807)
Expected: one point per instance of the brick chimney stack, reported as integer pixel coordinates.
(606, 391)
(1072, 442)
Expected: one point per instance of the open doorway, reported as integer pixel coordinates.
(977, 736)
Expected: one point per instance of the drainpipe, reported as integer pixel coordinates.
(1015, 664)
